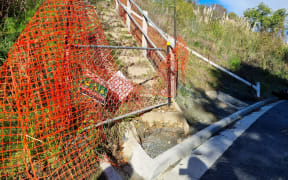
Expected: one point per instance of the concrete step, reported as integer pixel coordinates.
(126, 58)
(140, 71)
(147, 83)
(134, 63)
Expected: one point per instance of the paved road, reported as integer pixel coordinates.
(259, 153)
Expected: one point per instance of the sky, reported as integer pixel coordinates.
(239, 6)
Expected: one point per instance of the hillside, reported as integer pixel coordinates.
(228, 41)
(75, 91)
(14, 16)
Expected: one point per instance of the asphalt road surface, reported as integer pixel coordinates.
(259, 153)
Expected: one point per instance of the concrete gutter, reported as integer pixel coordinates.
(109, 171)
(148, 168)
(176, 153)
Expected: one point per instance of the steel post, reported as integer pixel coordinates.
(169, 74)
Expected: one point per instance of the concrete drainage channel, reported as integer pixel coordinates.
(144, 167)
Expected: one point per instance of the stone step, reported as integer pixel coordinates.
(140, 71)
(134, 63)
(148, 83)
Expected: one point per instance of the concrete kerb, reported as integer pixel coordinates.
(148, 168)
(176, 153)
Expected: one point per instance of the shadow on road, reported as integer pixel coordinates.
(260, 153)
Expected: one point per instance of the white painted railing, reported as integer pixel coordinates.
(143, 31)
(172, 79)
(145, 18)
(255, 87)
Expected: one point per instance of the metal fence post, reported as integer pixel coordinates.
(258, 89)
(169, 73)
(175, 42)
(175, 24)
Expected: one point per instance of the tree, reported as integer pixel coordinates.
(219, 11)
(233, 16)
(265, 20)
(278, 22)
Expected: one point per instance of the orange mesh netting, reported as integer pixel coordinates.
(182, 54)
(178, 55)
(54, 94)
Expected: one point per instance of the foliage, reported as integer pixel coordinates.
(233, 16)
(217, 30)
(229, 42)
(264, 19)
(218, 11)
(13, 20)
(235, 63)
(285, 54)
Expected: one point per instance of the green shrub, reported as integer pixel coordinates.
(197, 44)
(233, 16)
(285, 54)
(235, 63)
(15, 22)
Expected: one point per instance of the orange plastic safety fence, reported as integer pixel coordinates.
(135, 30)
(158, 40)
(124, 2)
(122, 13)
(180, 53)
(134, 8)
(54, 94)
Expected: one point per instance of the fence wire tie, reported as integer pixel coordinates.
(34, 138)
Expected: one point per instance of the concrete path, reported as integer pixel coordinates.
(242, 151)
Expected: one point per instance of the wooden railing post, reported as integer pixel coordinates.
(145, 30)
(127, 16)
(117, 6)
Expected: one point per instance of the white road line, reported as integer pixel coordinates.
(194, 166)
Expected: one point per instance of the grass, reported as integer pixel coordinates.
(50, 152)
(230, 43)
